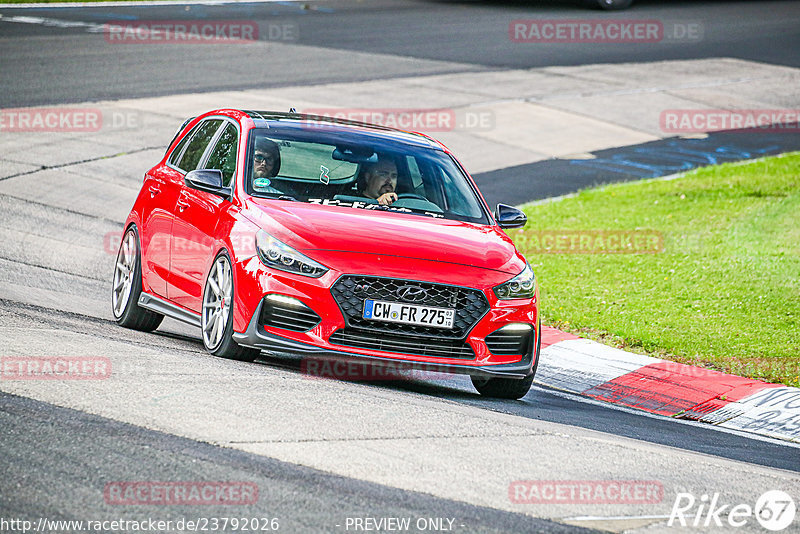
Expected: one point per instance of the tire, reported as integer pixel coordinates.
(126, 287)
(611, 5)
(216, 320)
(509, 388)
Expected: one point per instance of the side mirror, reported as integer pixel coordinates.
(509, 217)
(208, 180)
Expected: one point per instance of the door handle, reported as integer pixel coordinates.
(154, 191)
(182, 205)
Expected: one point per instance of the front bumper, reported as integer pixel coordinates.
(256, 337)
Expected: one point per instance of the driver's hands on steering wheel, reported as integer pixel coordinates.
(387, 198)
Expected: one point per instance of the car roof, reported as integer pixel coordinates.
(292, 122)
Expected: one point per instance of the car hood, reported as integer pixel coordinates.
(310, 227)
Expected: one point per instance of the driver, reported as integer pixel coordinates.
(266, 159)
(380, 181)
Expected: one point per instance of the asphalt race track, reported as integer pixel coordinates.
(385, 38)
(325, 453)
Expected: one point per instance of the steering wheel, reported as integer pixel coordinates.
(411, 195)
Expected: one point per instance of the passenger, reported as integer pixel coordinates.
(379, 181)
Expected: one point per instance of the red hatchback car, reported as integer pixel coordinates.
(329, 239)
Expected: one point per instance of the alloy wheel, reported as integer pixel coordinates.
(123, 273)
(217, 303)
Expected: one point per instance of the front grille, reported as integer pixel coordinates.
(502, 342)
(350, 291)
(403, 344)
(297, 318)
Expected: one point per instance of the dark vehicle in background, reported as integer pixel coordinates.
(609, 4)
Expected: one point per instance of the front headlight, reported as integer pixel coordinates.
(278, 255)
(521, 286)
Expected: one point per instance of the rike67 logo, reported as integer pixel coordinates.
(774, 510)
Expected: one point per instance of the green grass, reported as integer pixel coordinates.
(725, 292)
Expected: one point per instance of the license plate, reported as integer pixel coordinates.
(400, 312)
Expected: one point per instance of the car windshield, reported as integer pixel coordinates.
(353, 173)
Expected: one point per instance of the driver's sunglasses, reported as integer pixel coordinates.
(258, 158)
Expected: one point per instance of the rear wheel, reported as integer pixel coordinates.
(217, 316)
(127, 287)
(509, 388)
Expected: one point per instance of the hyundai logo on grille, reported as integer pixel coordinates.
(412, 293)
(362, 290)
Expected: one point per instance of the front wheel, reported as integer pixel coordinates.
(503, 388)
(127, 287)
(216, 319)
(509, 388)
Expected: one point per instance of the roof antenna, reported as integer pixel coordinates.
(292, 110)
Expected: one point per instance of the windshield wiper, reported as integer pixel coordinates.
(276, 196)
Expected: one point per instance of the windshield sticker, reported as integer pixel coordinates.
(323, 174)
(370, 206)
(261, 183)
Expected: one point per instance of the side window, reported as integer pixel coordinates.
(197, 146)
(223, 157)
(457, 195)
(431, 186)
(416, 174)
(173, 159)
